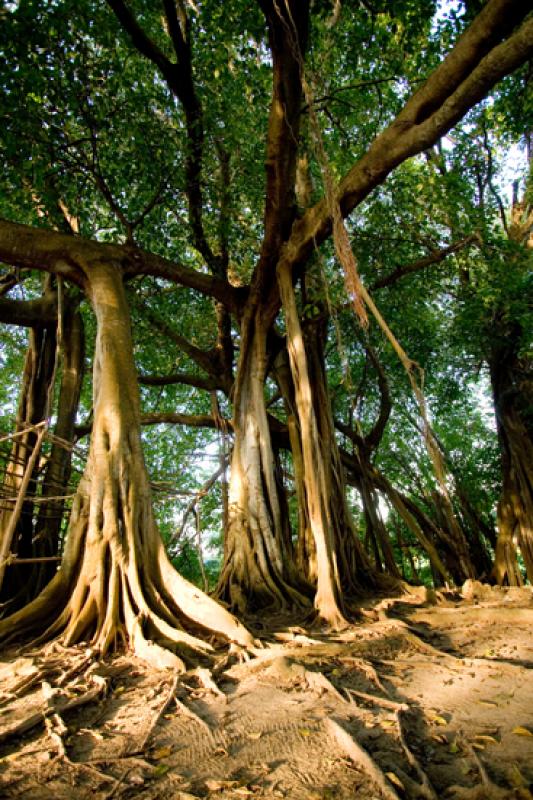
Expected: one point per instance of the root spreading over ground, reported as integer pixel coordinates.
(425, 701)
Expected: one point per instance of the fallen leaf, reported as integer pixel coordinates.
(515, 776)
(219, 786)
(439, 720)
(160, 770)
(305, 731)
(395, 780)
(454, 747)
(161, 752)
(481, 737)
(478, 746)
(489, 703)
(389, 723)
(521, 731)
(254, 735)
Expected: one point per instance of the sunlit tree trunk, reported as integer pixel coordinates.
(342, 567)
(115, 582)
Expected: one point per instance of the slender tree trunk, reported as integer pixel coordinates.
(56, 477)
(258, 569)
(16, 534)
(342, 567)
(115, 581)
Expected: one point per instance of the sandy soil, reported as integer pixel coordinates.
(422, 700)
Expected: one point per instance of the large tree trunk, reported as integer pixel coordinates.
(512, 388)
(115, 581)
(258, 569)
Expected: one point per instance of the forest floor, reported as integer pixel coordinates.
(420, 700)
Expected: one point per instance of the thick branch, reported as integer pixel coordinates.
(184, 378)
(288, 30)
(467, 74)
(29, 313)
(174, 418)
(39, 248)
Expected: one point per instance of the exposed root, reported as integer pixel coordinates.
(207, 683)
(188, 713)
(360, 757)
(318, 682)
(483, 774)
(428, 790)
(141, 746)
(367, 669)
(61, 706)
(378, 701)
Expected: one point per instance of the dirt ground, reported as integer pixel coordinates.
(421, 700)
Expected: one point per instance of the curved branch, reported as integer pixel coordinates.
(416, 266)
(179, 79)
(29, 313)
(183, 378)
(471, 69)
(63, 254)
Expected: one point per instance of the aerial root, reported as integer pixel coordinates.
(360, 757)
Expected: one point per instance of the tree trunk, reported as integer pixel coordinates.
(37, 532)
(47, 531)
(512, 388)
(342, 567)
(20, 481)
(115, 582)
(258, 569)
